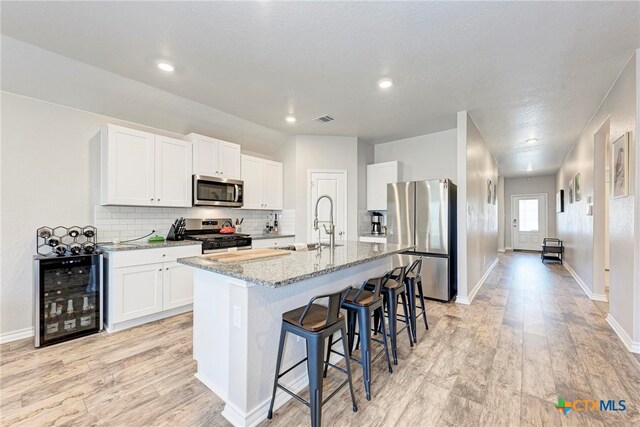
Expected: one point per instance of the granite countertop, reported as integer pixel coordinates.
(270, 236)
(284, 270)
(143, 244)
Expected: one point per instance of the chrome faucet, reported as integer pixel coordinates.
(331, 231)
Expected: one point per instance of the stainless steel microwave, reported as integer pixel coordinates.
(213, 191)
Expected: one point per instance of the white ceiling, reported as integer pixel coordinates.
(522, 69)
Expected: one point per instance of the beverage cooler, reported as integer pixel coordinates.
(68, 297)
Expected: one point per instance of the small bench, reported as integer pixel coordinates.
(552, 250)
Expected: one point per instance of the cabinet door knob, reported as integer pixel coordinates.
(167, 268)
(152, 199)
(159, 269)
(164, 254)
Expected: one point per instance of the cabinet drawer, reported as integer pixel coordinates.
(151, 256)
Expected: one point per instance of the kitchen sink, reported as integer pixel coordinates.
(310, 247)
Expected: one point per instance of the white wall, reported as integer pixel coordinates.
(31, 71)
(50, 172)
(530, 185)
(430, 156)
(303, 152)
(576, 228)
(477, 219)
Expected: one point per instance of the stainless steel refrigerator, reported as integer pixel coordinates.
(423, 213)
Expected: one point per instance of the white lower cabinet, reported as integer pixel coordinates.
(138, 290)
(147, 285)
(177, 285)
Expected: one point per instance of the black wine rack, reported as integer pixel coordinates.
(65, 241)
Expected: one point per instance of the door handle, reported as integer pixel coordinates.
(341, 233)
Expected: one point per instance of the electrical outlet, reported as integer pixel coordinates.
(237, 316)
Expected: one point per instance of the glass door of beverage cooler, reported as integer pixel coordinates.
(68, 298)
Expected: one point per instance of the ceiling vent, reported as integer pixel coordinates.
(323, 119)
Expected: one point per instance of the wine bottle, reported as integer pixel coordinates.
(59, 302)
(70, 318)
(51, 326)
(86, 318)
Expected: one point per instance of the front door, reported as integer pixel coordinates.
(529, 221)
(333, 184)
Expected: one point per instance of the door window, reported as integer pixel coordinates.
(528, 215)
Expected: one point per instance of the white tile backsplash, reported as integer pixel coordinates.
(124, 222)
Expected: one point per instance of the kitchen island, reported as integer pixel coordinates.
(238, 310)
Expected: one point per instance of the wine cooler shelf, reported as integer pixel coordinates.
(62, 241)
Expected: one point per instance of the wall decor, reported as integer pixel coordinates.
(495, 194)
(489, 191)
(578, 188)
(620, 166)
(560, 201)
(571, 191)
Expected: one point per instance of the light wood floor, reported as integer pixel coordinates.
(530, 336)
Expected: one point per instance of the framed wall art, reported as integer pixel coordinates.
(620, 166)
(570, 190)
(560, 201)
(577, 188)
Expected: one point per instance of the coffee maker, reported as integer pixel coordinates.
(376, 223)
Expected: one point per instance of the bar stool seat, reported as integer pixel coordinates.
(365, 297)
(389, 284)
(315, 320)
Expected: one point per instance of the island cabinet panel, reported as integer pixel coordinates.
(142, 169)
(146, 285)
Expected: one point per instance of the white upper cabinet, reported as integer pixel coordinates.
(143, 169)
(263, 183)
(378, 176)
(127, 167)
(215, 157)
(173, 172)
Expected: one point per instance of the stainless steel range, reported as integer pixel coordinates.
(214, 239)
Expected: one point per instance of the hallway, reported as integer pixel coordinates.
(529, 336)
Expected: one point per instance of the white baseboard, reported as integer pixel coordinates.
(585, 288)
(502, 250)
(508, 248)
(16, 335)
(254, 417)
(632, 346)
(471, 295)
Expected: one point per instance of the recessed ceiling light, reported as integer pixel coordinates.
(290, 119)
(529, 168)
(165, 66)
(531, 140)
(385, 83)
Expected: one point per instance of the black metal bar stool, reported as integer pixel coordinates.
(361, 304)
(393, 289)
(413, 281)
(314, 323)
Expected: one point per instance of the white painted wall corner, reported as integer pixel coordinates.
(632, 346)
(469, 298)
(585, 288)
